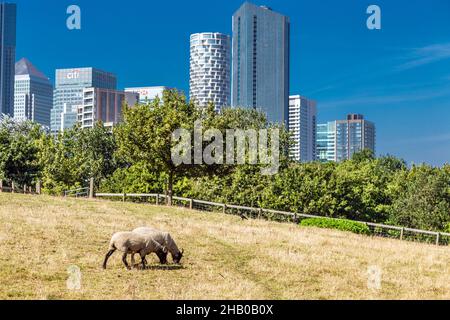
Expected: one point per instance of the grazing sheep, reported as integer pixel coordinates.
(131, 243)
(164, 239)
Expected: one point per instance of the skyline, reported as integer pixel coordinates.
(398, 77)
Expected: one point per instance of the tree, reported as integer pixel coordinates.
(75, 156)
(421, 198)
(19, 151)
(363, 155)
(146, 134)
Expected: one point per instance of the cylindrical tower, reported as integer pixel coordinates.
(210, 69)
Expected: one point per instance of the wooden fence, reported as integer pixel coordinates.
(381, 230)
(12, 187)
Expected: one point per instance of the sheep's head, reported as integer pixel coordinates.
(177, 257)
(162, 255)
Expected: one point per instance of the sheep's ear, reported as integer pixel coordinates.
(165, 250)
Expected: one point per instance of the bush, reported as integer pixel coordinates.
(447, 230)
(339, 224)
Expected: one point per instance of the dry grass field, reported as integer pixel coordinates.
(225, 258)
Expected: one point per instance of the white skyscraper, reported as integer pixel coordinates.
(33, 94)
(210, 71)
(302, 125)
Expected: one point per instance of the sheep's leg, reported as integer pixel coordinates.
(144, 262)
(110, 252)
(132, 260)
(124, 260)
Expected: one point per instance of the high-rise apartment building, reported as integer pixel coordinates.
(210, 69)
(7, 57)
(33, 94)
(260, 67)
(302, 125)
(339, 140)
(148, 94)
(104, 105)
(69, 86)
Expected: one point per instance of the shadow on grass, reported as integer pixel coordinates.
(169, 267)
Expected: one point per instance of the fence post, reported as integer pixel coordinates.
(401, 233)
(1, 186)
(224, 209)
(38, 187)
(157, 199)
(24, 189)
(30, 190)
(12, 187)
(438, 236)
(260, 211)
(123, 196)
(91, 189)
(191, 204)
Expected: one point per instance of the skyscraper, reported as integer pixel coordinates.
(260, 75)
(339, 140)
(353, 135)
(7, 57)
(69, 90)
(210, 70)
(302, 125)
(33, 94)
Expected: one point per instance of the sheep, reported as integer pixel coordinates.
(131, 243)
(164, 239)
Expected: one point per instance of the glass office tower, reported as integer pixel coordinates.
(33, 94)
(69, 90)
(326, 142)
(7, 57)
(339, 140)
(260, 66)
(353, 135)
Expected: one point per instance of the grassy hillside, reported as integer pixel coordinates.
(225, 258)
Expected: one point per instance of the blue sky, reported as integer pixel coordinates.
(398, 77)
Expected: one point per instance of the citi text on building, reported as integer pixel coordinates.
(248, 146)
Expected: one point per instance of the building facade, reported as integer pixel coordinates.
(69, 86)
(260, 66)
(7, 57)
(210, 69)
(326, 142)
(69, 116)
(104, 105)
(339, 140)
(353, 135)
(302, 125)
(33, 94)
(148, 94)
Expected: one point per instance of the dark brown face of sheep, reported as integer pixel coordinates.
(162, 255)
(177, 257)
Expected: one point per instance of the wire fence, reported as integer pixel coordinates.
(378, 230)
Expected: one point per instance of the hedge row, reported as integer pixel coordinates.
(338, 224)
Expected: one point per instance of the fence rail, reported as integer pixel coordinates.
(77, 193)
(23, 189)
(380, 230)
